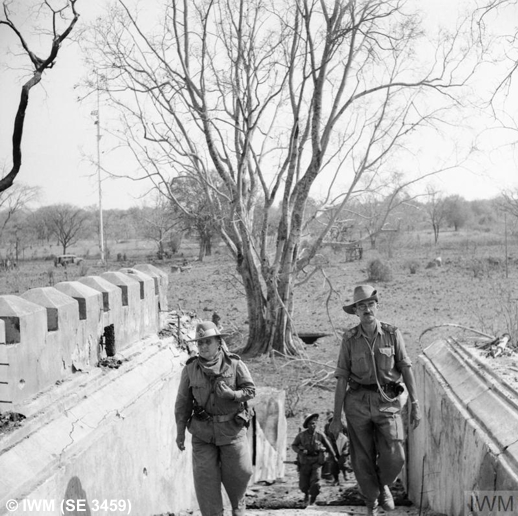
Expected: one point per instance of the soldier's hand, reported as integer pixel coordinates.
(224, 391)
(336, 427)
(415, 414)
(180, 442)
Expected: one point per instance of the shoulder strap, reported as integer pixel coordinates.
(351, 332)
(388, 328)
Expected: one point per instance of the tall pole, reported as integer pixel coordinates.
(101, 230)
(506, 260)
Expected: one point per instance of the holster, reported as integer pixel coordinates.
(244, 417)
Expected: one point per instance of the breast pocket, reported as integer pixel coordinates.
(229, 379)
(200, 391)
(386, 357)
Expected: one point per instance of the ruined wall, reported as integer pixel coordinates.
(93, 434)
(467, 442)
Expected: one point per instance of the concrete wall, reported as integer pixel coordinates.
(97, 433)
(467, 442)
(49, 333)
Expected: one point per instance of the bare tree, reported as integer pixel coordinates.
(436, 209)
(194, 210)
(157, 220)
(62, 21)
(272, 95)
(14, 200)
(67, 224)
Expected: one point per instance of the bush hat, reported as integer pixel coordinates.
(205, 330)
(309, 418)
(361, 293)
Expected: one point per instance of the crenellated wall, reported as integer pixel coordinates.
(467, 442)
(95, 434)
(48, 333)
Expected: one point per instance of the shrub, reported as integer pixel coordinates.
(412, 265)
(378, 271)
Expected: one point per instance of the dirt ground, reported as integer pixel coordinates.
(469, 290)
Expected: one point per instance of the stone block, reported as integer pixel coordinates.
(25, 328)
(161, 279)
(131, 307)
(86, 351)
(149, 315)
(62, 329)
(111, 305)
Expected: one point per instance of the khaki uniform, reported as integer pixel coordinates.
(310, 463)
(220, 446)
(375, 428)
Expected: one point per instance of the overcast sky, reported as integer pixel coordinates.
(60, 134)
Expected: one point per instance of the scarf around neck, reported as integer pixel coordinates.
(215, 366)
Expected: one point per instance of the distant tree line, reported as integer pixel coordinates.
(163, 223)
(23, 226)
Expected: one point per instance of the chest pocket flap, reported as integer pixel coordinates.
(388, 351)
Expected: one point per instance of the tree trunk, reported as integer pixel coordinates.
(270, 316)
(201, 251)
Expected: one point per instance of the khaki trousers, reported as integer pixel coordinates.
(376, 438)
(309, 477)
(213, 465)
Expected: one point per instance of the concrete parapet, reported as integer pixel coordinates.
(87, 352)
(161, 283)
(110, 435)
(149, 315)
(131, 306)
(25, 329)
(466, 442)
(111, 304)
(62, 329)
(49, 333)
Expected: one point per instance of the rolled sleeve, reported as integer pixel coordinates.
(343, 366)
(244, 383)
(402, 359)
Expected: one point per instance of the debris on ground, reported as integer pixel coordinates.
(10, 421)
(111, 362)
(179, 324)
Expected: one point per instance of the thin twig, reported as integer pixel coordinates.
(456, 326)
(293, 360)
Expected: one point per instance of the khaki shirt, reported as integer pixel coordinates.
(195, 384)
(358, 356)
(314, 443)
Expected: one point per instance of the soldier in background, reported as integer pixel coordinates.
(339, 461)
(310, 446)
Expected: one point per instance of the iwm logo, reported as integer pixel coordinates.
(492, 503)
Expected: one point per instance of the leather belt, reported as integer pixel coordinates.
(370, 386)
(222, 418)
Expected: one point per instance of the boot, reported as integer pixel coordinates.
(386, 500)
(312, 502)
(372, 508)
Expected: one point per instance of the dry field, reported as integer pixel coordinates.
(470, 289)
